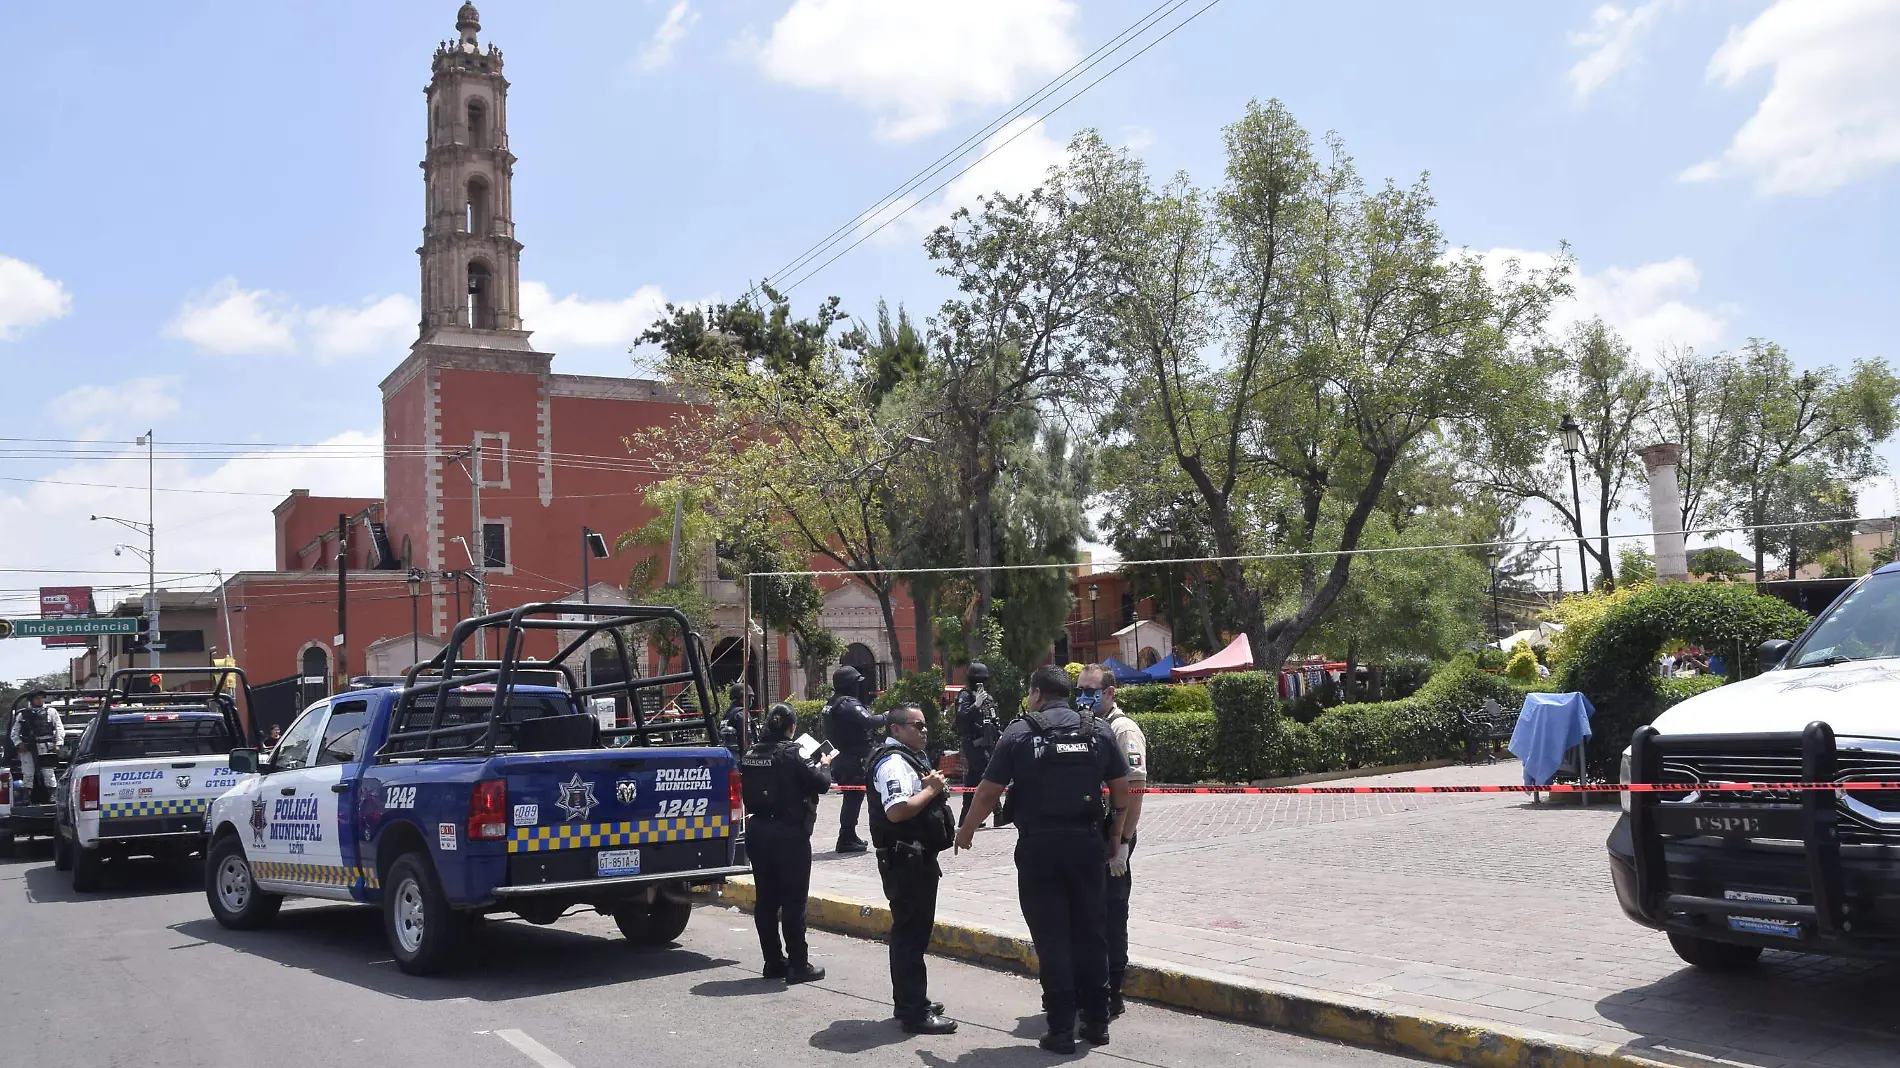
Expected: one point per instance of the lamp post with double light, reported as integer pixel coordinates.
(415, 619)
(1573, 444)
(1095, 634)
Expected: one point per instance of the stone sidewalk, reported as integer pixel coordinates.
(1480, 906)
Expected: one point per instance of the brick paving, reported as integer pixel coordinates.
(1481, 906)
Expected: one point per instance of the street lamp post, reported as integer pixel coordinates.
(1497, 629)
(1573, 443)
(151, 576)
(1095, 632)
(415, 619)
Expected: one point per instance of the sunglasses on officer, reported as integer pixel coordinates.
(903, 717)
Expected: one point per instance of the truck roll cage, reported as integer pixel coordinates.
(119, 696)
(449, 673)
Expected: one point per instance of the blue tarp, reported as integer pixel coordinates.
(1550, 725)
(1162, 671)
(1124, 675)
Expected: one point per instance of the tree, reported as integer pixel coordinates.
(1290, 341)
(1697, 401)
(1797, 496)
(1714, 561)
(1634, 564)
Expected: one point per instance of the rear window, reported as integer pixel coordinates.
(193, 736)
(473, 708)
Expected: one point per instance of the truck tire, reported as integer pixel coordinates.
(62, 853)
(425, 934)
(88, 869)
(236, 902)
(656, 924)
(1712, 956)
(6, 843)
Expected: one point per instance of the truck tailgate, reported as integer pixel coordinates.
(617, 813)
(158, 795)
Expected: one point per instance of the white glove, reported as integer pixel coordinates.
(1118, 864)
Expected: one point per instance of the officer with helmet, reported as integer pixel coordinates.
(732, 731)
(781, 788)
(851, 728)
(978, 727)
(1055, 761)
(35, 734)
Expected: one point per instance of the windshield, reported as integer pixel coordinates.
(1865, 625)
(195, 736)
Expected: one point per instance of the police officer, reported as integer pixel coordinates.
(35, 735)
(1056, 762)
(849, 726)
(1095, 689)
(732, 730)
(780, 789)
(910, 825)
(977, 727)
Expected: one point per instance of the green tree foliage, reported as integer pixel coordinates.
(1800, 494)
(1716, 562)
(1634, 564)
(1522, 667)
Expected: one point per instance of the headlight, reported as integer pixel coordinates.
(1623, 776)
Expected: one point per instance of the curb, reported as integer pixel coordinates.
(1321, 1014)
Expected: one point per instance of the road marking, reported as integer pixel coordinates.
(536, 1052)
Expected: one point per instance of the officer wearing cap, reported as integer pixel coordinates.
(977, 727)
(849, 726)
(910, 825)
(1056, 761)
(780, 789)
(35, 734)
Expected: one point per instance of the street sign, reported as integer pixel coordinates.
(59, 628)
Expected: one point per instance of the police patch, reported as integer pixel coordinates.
(576, 798)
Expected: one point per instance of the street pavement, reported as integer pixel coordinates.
(140, 975)
(1483, 906)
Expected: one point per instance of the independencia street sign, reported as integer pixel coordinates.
(69, 628)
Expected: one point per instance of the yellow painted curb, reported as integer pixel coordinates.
(1362, 1022)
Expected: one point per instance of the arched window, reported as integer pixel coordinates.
(481, 301)
(475, 214)
(478, 123)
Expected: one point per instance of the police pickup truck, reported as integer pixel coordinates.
(488, 786)
(24, 811)
(143, 772)
(1729, 873)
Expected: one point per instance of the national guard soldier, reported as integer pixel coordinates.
(910, 825)
(732, 731)
(780, 789)
(1095, 690)
(36, 735)
(849, 726)
(1055, 761)
(977, 727)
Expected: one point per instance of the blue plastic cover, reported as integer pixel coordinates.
(1550, 725)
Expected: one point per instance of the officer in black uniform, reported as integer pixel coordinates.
(977, 727)
(910, 825)
(732, 730)
(1056, 761)
(850, 727)
(781, 789)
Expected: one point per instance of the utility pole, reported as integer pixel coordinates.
(673, 547)
(151, 547)
(342, 603)
(224, 605)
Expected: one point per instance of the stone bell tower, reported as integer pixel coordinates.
(471, 262)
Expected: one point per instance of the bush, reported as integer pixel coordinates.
(1179, 744)
(1672, 692)
(1522, 667)
(1160, 698)
(811, 718)
(924, 689)
(1244, 715)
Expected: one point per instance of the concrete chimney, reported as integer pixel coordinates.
(1665, 509)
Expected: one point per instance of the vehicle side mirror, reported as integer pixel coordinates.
(1772, 652)
(244, 761)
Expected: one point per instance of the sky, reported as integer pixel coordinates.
(209, 211)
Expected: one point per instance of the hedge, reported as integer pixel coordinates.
(1180, 745)
(1164, 699)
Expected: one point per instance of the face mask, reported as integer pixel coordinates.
(1088, 699)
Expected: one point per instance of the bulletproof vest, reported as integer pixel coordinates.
(849, 733)
(766, 785)
(977, 719)
(1064, 778)
(932, 828)
(38, 726)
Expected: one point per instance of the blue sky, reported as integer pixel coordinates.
(209, 211)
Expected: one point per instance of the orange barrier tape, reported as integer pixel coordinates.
(1553, 788)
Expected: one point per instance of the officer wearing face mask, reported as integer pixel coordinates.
(781, 790)
(851, 728)
(1095, 690)
(978, 727)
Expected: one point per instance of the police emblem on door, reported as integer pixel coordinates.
(626, 790)
(576, 798)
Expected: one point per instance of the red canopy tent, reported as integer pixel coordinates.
(1238, 656)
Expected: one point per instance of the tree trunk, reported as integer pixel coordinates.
(1206, 612)
(923, 614)
(890, 629)
(985, 581)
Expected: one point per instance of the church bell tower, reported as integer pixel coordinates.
(471, 262)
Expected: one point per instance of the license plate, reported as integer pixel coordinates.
(617, 862)
(1758, 924)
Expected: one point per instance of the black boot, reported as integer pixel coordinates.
(1058, 1041)
(1095, 1034)
(1115, 1006)
(805, 972)
(774, 969)
(853, 844)
(930, 1024)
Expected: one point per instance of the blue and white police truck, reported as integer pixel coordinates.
(480, 787)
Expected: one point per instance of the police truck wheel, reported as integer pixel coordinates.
(88, 869)
(6, 843)
(62, 853)
(236, 902)
(1714, 956)
(424, 932)
(656, 924)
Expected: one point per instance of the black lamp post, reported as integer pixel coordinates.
(1095, 633)
(1497, 629)
(593, 547)
(415, 625)
(1167, 578)
(1573, 444)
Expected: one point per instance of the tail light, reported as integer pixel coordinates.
(488, 811)
(735, 794)
(89, 793)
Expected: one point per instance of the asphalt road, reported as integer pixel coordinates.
(140, 975)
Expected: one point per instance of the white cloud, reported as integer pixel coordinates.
(917, 64)
(376, 327)
(1024, 154)
(99, 410)
(1612, 41)
(573, 321)
(1832, 110)
(231, 321)
(28, 297)
(659, 50)
(1650, 304)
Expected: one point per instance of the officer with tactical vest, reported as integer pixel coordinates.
(732, 730)
(1055, 762)
(910, 825)
(35, 735)
(977, 727)
(780, 789)
(851, 728)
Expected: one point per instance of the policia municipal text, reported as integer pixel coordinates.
(1055, 762)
